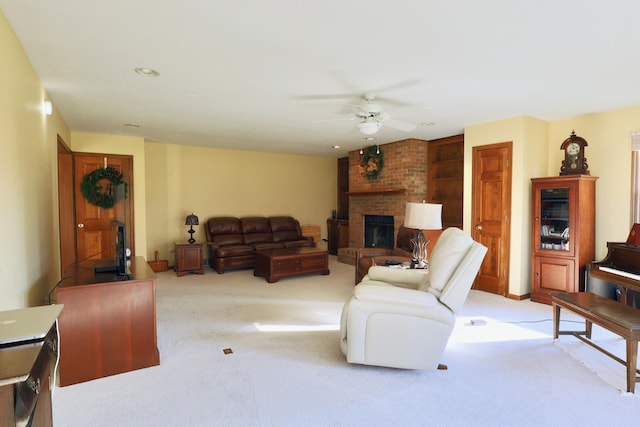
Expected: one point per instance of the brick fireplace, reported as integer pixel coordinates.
(402, 179)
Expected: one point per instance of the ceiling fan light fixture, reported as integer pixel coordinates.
(369, 127)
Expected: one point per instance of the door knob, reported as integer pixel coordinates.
(81, 225)
(478, 227)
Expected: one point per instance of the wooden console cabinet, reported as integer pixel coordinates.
(188, 258)
(563, 234)
(107, 326)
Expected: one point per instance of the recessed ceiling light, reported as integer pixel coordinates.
(148, 72)
(131, 125)
(336, 146)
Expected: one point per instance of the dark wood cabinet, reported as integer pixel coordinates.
(563, 234)
(188, 258)
(445, 172)
(338, 235)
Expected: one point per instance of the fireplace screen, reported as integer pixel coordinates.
(378, 231)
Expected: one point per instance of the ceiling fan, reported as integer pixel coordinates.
(372, 116)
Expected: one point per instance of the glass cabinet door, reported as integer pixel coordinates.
(554, 224)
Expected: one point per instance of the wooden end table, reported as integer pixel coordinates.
(276, 263)
(188, 258)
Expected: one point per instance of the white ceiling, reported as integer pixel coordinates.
(275, 75)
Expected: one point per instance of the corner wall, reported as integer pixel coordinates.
(537, 153)
(530, 148)
(222, 182)
(30, 253)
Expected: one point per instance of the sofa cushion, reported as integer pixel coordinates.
(256, 229)
(284, 236)
(224, 231)
(450, 248)
(234, 250)
(255, 224)
(263, 246)
(284, 223)
(285, 228)
(228, 239)
(256, 238)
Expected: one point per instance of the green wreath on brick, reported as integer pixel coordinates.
(95, 193)
(371, 162)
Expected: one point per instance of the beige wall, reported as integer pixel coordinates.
(215, 182)
(537, 153)
(29, 254)
(529, 139)
(609, 157)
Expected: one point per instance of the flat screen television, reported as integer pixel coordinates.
(118, 259)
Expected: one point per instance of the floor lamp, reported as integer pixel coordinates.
(422, 216)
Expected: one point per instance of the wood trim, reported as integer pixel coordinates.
(377, 192)
(66, 207)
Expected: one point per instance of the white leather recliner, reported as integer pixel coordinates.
(403, 318)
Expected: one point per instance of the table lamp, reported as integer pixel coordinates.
(422, 216)
(191, 220)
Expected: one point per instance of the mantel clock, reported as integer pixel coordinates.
(574, 163)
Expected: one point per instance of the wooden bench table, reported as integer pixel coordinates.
(618, 318)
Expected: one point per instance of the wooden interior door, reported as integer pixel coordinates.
(491, 213)
(94, 238)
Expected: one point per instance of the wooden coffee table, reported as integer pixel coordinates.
(276, 263)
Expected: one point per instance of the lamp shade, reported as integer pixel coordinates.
(191, 220)
(423, 216)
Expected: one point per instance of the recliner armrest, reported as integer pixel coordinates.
(404, 277)
(373, 292)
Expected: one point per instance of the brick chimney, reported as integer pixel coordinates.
(402, 179)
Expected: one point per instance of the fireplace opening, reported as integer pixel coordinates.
(378, 231)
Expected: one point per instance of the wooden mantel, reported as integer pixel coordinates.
(375, 192)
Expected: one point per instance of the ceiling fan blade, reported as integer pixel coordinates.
(327, 96)
(398, 85)
(337, 119)
(397, 124)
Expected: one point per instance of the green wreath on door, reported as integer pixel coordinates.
(97, 194)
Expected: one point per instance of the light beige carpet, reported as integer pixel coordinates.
(286, 367)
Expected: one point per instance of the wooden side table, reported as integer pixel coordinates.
(188, 258)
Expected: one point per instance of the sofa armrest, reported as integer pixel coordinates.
(362, 254)
(371, 252)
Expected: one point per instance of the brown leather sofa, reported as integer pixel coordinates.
(233, 241)
(403, 252)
